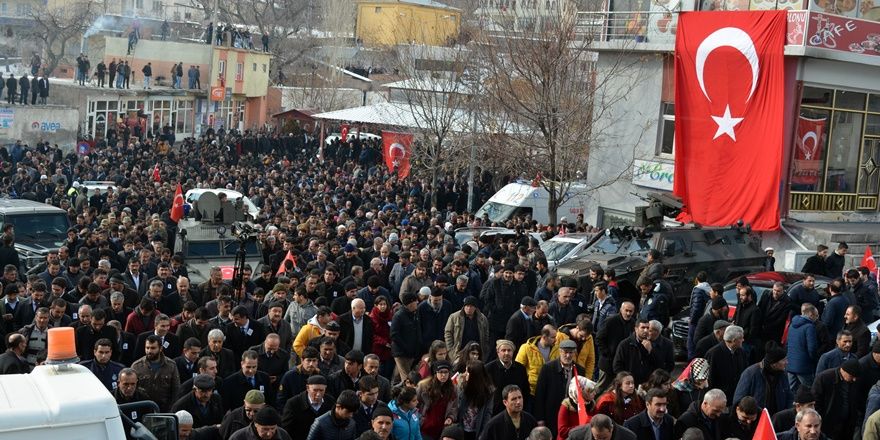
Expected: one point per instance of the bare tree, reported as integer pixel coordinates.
(56, 28)
(439, 100)
(551, 100)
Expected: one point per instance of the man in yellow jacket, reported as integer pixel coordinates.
(582, 334)
(539, 350)
(313, 328)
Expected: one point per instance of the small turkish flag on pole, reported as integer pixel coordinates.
(287, 258)
(765, 428)
(156, 177)
(583, 417)
(869, 262)
(177, 205)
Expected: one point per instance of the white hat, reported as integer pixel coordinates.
(184, 417)
(769, 249)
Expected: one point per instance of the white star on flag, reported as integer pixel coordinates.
(726, 124)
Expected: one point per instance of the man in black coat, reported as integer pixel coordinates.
(24, 84)
(406, 335)
(636, 353)
(705, 415)
(242, 416)
(552, 387)
(243, 332)
(816, 263)
(521, 326)
(728, 361)
(616, 328)
(205, 407)
(11, 86)
(13, 361)
(500, 297)
(368, 394)
(504, 371)
(835, 262)
(301, 410)
(357, 316)
(654, 414)
(237, 384)
(602, 427)
(35, 90)
(172, 347)
(775, 307)
(513, 423)
(87, 335)
(837, 399)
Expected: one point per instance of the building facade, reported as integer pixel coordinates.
(388, 23)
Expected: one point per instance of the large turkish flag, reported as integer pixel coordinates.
(729, 90)
(397, 149)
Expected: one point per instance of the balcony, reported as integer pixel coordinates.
(809, 33)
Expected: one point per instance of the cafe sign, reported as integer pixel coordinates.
(653, 174)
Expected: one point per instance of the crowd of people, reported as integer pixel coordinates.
(366, 319)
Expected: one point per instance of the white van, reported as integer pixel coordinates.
(521, 198)
(63, 401)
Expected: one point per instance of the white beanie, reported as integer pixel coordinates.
(184, 417)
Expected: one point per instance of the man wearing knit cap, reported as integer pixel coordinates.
(717, 311)
(837, 399)
(383, 419)
(766, 381)
(406, 338)
(184, 424)
(465, 326)
(520, 325)
(803, 399)
(452, 432)
(504, 371)
(242, 416)
(706, 343)
(264, 427)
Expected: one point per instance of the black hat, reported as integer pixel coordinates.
(570, 282)
(719, 302)
(528, 301)
(774, 355)
(470, 301)
(453, 431)
(852, 367)
(267, 416)
(382, 411)
(204, 382)
(804, 395)
(316, 379)
(440, 365)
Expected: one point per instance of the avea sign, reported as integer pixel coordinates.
(46, 126)
(653, 174)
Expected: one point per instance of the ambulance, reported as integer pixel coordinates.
(521, 199)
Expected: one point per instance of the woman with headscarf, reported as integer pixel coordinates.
(569, 415)
(691, 385)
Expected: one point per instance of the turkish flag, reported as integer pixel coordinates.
(177, 205)
(397, 149)
(288, 257)
(869, 262)
(156, 177)
(729, 90)
(809, 144)
(343, 133)
(764, 431)
(583, 415)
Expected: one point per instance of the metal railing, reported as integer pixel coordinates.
(637, 26)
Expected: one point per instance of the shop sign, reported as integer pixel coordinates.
(653, 174)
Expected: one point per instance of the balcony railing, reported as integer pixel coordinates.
(636, 26)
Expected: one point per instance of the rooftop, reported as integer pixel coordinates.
(426, 3)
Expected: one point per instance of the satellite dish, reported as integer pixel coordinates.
(208, 205)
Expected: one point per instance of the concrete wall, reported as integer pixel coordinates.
(162, 55)
(255, 76)
(31, 124)
(629, 107)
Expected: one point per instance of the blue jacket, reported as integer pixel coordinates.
(326, 427)
(833, 359)
(803, 346)
(873, 403)
(699, 299)
(608, 308)
(752, 383)
(832, 316)
(407, 424)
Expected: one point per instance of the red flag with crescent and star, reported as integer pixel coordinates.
(343, 133)
(729, 98)
(177, 206)
(764, 430)
(869, 262)
(397, 149)
(156, 177)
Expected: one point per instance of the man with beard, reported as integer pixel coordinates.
(202, 403)
(157, 375)
(500, 298)
(197, 327)
(742, 422)
(506, 371)
(294, 381)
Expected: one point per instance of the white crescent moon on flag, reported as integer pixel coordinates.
(397, 146)
(732, 37)
(810, 135)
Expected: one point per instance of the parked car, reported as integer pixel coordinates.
(761, 282)
(562, 248)
(464, 235)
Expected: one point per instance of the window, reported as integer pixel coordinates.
(264, 67)
(378, 9)
(221, 67)
(157, 6)
(3, 8)
(666, 137)
(183, 120)
(139, 4)
(837, 149)
(239, 71)
(255, 67)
